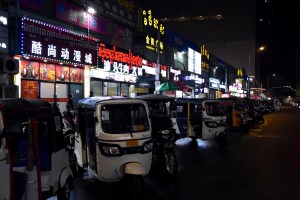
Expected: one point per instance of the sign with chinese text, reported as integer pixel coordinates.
(46, 41)
(153, 41)
(29, 89)
(205, 58)
(119, 61)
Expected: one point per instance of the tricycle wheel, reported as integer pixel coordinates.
(76, 169)
(65, 191)
(134, 184)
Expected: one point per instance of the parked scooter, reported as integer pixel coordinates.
(164, 136)
(69, 128)
(113, 140)
(201, 118)
(34, 160)
(257, 116)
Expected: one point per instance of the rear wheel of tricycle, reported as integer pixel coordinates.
(134, 184)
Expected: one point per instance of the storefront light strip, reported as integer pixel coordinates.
(56, 27)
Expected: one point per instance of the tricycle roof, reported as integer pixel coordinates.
(91, 102)
(153, 97)
(193, 100)
(21, 107)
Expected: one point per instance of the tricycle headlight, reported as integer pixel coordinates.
(147, 147)
(110, 150)
(163, 132)
(211, 124)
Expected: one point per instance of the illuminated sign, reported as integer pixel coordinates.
(214, 83)
(150, 68)
(3, 32)
(194, 61)
(204, 52)
(49, 42)
(119, 62)
(239, 72)
(152, 41)
(112, 63)
(112, 75)
(205, 58)
(3, 19)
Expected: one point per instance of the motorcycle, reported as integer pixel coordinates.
(113, 140)
(164, 136)
(257, 116)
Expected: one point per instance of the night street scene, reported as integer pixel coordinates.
(149, 100)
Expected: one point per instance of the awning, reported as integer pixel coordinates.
(183, 87)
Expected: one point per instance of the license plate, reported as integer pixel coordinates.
(131, 143)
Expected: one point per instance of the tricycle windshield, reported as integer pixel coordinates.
(124, 118)
(214, 109)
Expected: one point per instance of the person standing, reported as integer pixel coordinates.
(70, 104)
(91, 94)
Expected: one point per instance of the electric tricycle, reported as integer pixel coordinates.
(237, 113)
(163, 133)
(113, 140)
(34, 159)
(200, 119)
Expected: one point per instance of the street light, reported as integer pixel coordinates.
(260, 49)
(268, 77)
(90, 11)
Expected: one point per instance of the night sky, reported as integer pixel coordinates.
(281, 33)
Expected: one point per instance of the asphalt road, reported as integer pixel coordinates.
(261, 164)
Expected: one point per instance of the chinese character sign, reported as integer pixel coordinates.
(49, 42)
(29, 89)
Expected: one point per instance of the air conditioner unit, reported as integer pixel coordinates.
(9, 65)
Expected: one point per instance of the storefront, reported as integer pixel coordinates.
(54, 62)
